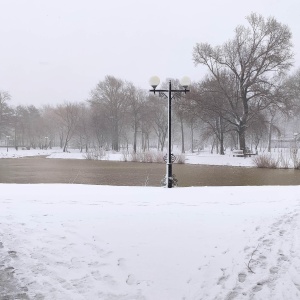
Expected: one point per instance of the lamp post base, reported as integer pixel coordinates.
(169, 182)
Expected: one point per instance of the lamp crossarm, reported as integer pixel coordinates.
(176, 93)
(172, 91)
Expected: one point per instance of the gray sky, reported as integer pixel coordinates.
(58, 50)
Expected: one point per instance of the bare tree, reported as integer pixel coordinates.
(253, 59)
(181, 110)
(112, 95)
(28, 126)
(67, 118)
(83, 129)
(5, 112)
(136, 101)
(291, 90)
(258, 129)
(147, 122)
(51, 128)
(158, 112)
(207, 100)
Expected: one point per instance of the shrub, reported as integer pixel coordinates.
(284, 161)
(295, 158)
(158, 157)
(180, 159)
(95, 154)
(265, 161)
(146, 157)
(125, 155)
(132, 157)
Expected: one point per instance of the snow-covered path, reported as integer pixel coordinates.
(100, 242)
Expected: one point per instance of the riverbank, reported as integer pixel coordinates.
(203, 157)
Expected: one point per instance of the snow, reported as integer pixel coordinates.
(203, 157)
(13, 153)
(104, 242)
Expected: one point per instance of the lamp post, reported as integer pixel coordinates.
(7, 140)
(169, 94)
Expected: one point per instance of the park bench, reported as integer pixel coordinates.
(240, 153)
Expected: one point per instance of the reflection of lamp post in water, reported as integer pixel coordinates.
(7, 140)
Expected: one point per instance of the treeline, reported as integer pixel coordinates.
(117, 115)
(247, 97)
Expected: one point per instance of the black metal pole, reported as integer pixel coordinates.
(169, 176)
(169, 161)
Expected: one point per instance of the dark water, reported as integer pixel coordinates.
(42, 170)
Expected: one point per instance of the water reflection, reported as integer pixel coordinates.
(42, 170)
(198, 175)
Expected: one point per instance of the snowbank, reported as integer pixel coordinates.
(13, 153)
(196, 158)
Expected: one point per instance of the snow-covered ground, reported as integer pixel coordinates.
(99, 242)
(13, 153)
(145, 243)
(196, 158)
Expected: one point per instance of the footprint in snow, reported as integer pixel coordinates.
(283, 257)
(121, 262)
(222, 279)
(266, 242)
(297, 286)
(12, 254)
(281, 232)
(242, 277)
(258, 287)
(274, 270)
(131, 279)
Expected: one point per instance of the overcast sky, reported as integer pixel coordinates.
(58, 50)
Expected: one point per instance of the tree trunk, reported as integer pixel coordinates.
(61, 138)
(222, 143)
(192, 138)
(182, 136)
(243, 122)
(270, 134)
(242, 137)
(162, 146)
(134, 137)
(158, 142)
(65, 146)
(221, 137)
(115, 137)
(212, 147)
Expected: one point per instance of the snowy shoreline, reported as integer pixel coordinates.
(203, 158)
